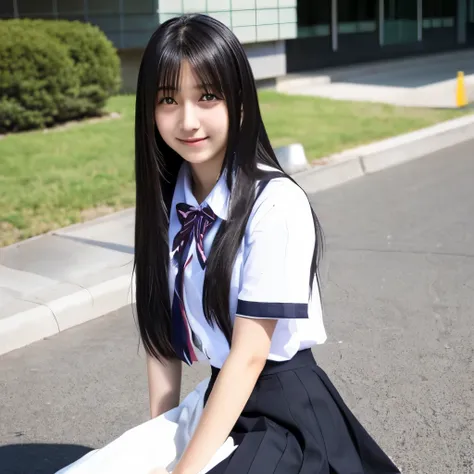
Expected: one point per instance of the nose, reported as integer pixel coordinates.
(190, 119)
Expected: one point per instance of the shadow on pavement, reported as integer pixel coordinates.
(38, 458)
(98, 243)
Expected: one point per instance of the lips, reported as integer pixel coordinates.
(191, 141)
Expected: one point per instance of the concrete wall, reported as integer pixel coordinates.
(130, 62)
(268, 61)
(261, 25)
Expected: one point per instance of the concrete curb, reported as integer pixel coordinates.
(355, 163)
(35, 321)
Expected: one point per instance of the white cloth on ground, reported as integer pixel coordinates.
(159, 442)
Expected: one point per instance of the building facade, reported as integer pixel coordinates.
(339, 32)
(280, 36)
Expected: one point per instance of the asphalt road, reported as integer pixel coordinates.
(398, 287)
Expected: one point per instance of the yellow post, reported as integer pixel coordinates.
(461, 96)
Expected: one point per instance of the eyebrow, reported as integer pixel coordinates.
(198, 87)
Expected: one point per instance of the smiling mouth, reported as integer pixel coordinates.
(191, 141)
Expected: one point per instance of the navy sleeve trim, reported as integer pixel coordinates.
(272, 310)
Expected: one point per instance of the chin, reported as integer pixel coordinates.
(196, 159)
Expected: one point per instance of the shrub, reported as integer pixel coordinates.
(52, 71)
(96, 63)
(36, 78)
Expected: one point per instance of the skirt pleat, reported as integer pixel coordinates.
(295, 422)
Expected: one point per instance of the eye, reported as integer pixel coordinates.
(209, 97)
(167, 101)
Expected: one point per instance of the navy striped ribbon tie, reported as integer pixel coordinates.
(195, 222)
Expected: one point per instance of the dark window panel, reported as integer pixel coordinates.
(6, 9)
(401, 10)
(101, 7)
(139, 23)
(70, 7)
(140, 6)
(35, 8)
(439, 8)
(108, 23)
(311, 15)
(357, 10)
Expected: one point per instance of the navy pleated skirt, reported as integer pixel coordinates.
(295, 422)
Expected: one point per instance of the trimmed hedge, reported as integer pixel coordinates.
(96, 62)
(53, 71)
(36, 78)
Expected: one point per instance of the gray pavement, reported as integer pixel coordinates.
(424, 81)
(55, 281)
(398, 288)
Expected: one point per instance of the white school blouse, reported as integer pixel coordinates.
(270, 278)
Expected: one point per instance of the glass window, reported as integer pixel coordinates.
(401, 21)
(103, 7)
(439, 13)
(139, 21)
(106, 15)
(70, 6)
(71, 10)
(35, 8)
(139, 6)
(6, 9)
(356, 16)
(314, 18)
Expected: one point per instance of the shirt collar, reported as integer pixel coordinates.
(217, 200)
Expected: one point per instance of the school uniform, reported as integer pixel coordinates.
(294, 422)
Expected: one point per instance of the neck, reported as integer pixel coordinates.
(205, 176)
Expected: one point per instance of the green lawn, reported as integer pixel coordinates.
(54, 179)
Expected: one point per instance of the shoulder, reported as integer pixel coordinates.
(281, 195)
(281, 204)
(282, 192)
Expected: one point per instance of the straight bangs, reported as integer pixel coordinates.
(169, 71)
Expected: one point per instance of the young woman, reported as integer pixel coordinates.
(226, 256)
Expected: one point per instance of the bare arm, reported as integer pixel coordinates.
(251, 341)
(164, 384)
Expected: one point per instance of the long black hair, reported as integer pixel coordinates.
(219, 60)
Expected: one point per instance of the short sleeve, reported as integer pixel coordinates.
(278, 251)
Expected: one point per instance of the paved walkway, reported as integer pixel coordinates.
(427, 81)
(53, 282)
(49, 282)
(398, 295)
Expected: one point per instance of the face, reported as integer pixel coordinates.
(193, 122)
